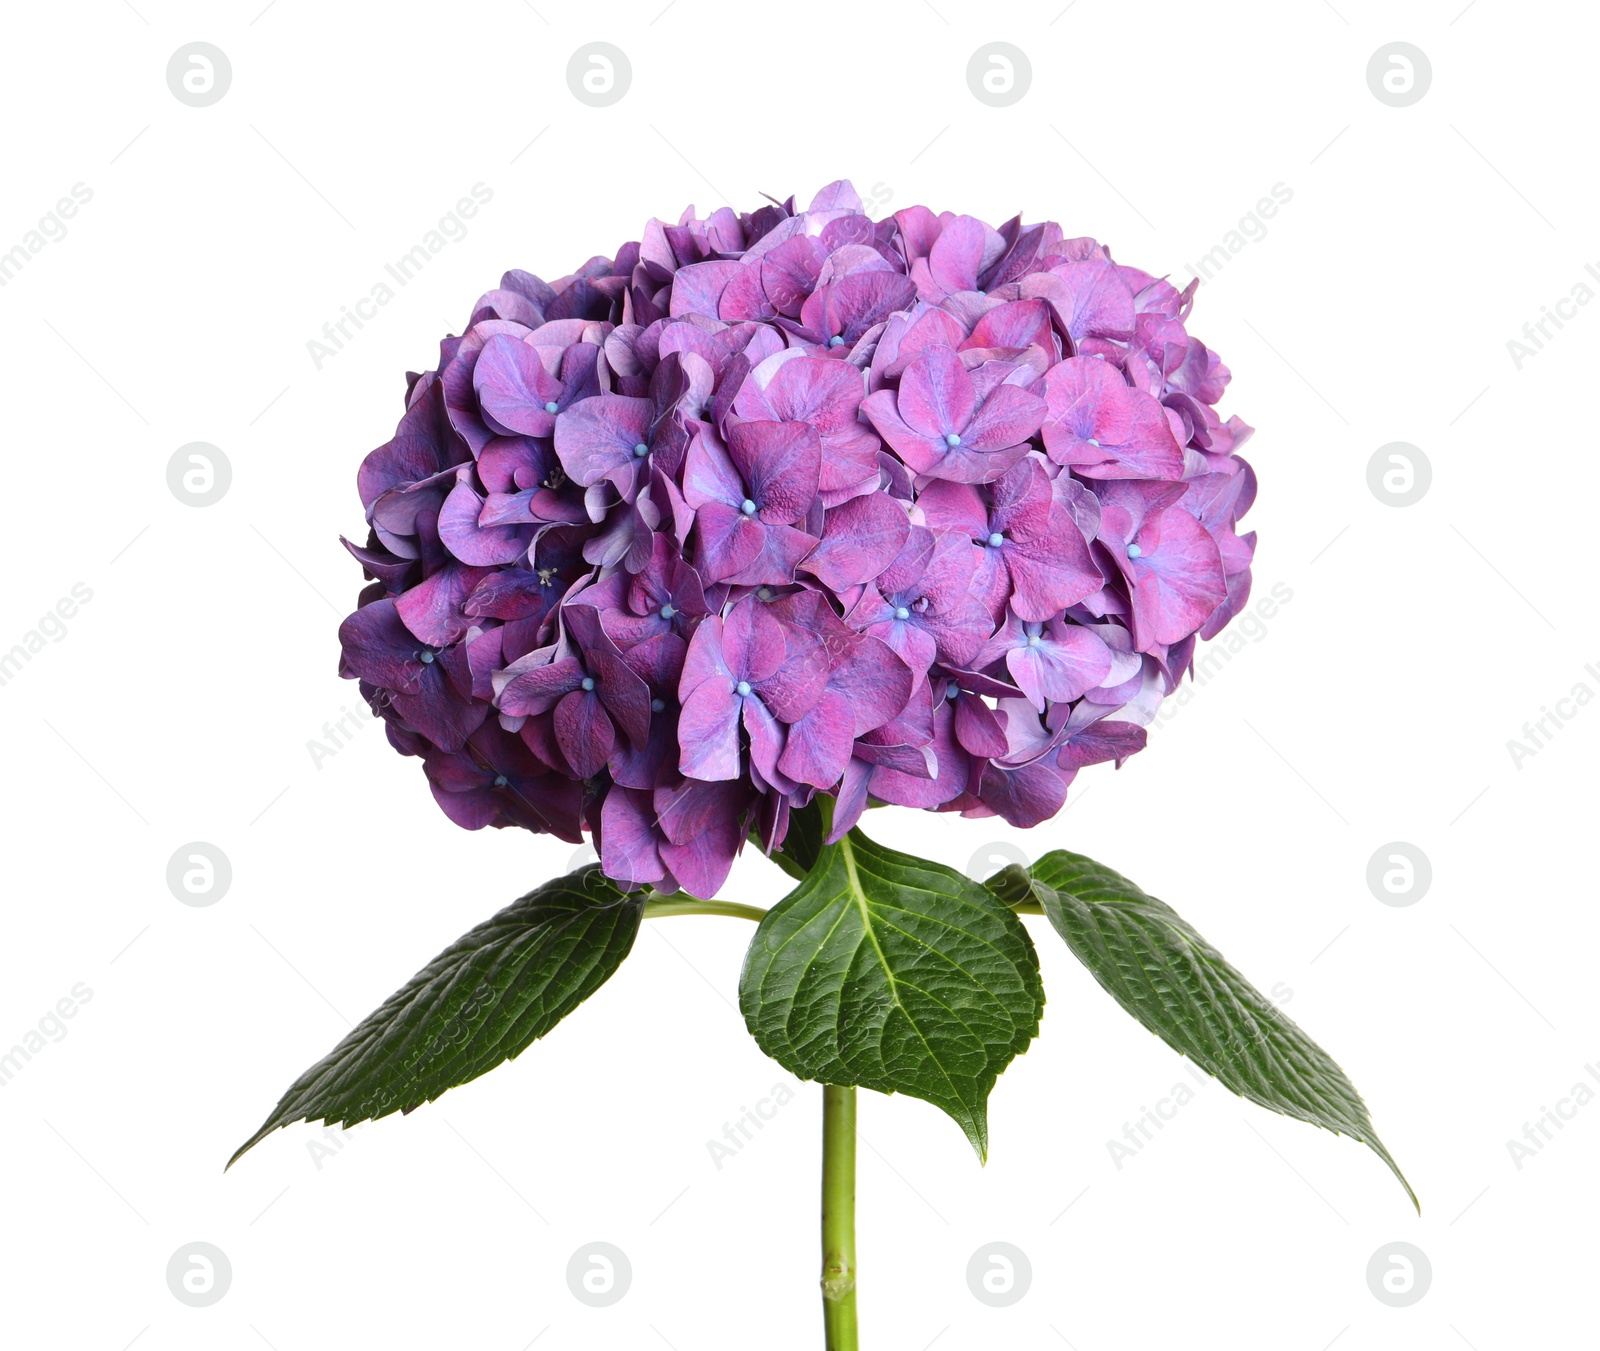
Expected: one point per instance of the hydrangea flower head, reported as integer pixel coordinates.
(770, 505)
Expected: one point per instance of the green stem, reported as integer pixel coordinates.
(839, 1218)
(686, 905)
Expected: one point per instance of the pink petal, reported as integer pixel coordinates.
(936, 397)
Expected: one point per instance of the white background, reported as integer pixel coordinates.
(1375, 706)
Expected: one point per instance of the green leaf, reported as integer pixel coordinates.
(802, 842)
(888, 972)
(484, 999)
(1181, 988)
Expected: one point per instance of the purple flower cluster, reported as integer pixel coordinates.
(915, 510)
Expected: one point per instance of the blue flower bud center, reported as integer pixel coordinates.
(901, 612)
(656, 705)
(641, 450)
(500, 781)
(765, 593)
(425, 657)
(837, 340)
(667, 612)
(552, 408)
(996, 540)
(1094, 443)
(952, 692)
(1034, 640)
(748, 507)
(952, 438)
(588, 683)
(1134, 551)
(742, 689)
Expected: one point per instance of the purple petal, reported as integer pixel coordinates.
(936, 398)
(919, 451)
(794, 688)
(1050, 571)
(433, 608)
(708, 732)
(957, 255)
(1099, 742)
(877, 681)
(766, 741)
(513, 386)
(698, 288)
(1023, 797)
(483, 546)
(860, 538)
(584, 732)
(629, 846)
(705, 827)
(704, 660)
(755, 644)
(709, 472)
(1019, 323)
(1008, 417)
(978, 728)
(597, 437)
(729, 541)
(379, 647)
(955, 506)
(818, 747)
(779, 462)
(1178, 579)
(532, 685)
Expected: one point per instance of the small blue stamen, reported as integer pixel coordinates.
(901, 612)
(952, 692)
(425, 657)
(500, 781)
(667, 612)
(952, 438)
(656, 705)
(742, 689)
(588, 683)
(837, 340)
(641, 450)
(1034, 640)
(748, 507)
(552, 408)
(996, 540)
(1094, 443)
(1134, 551)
